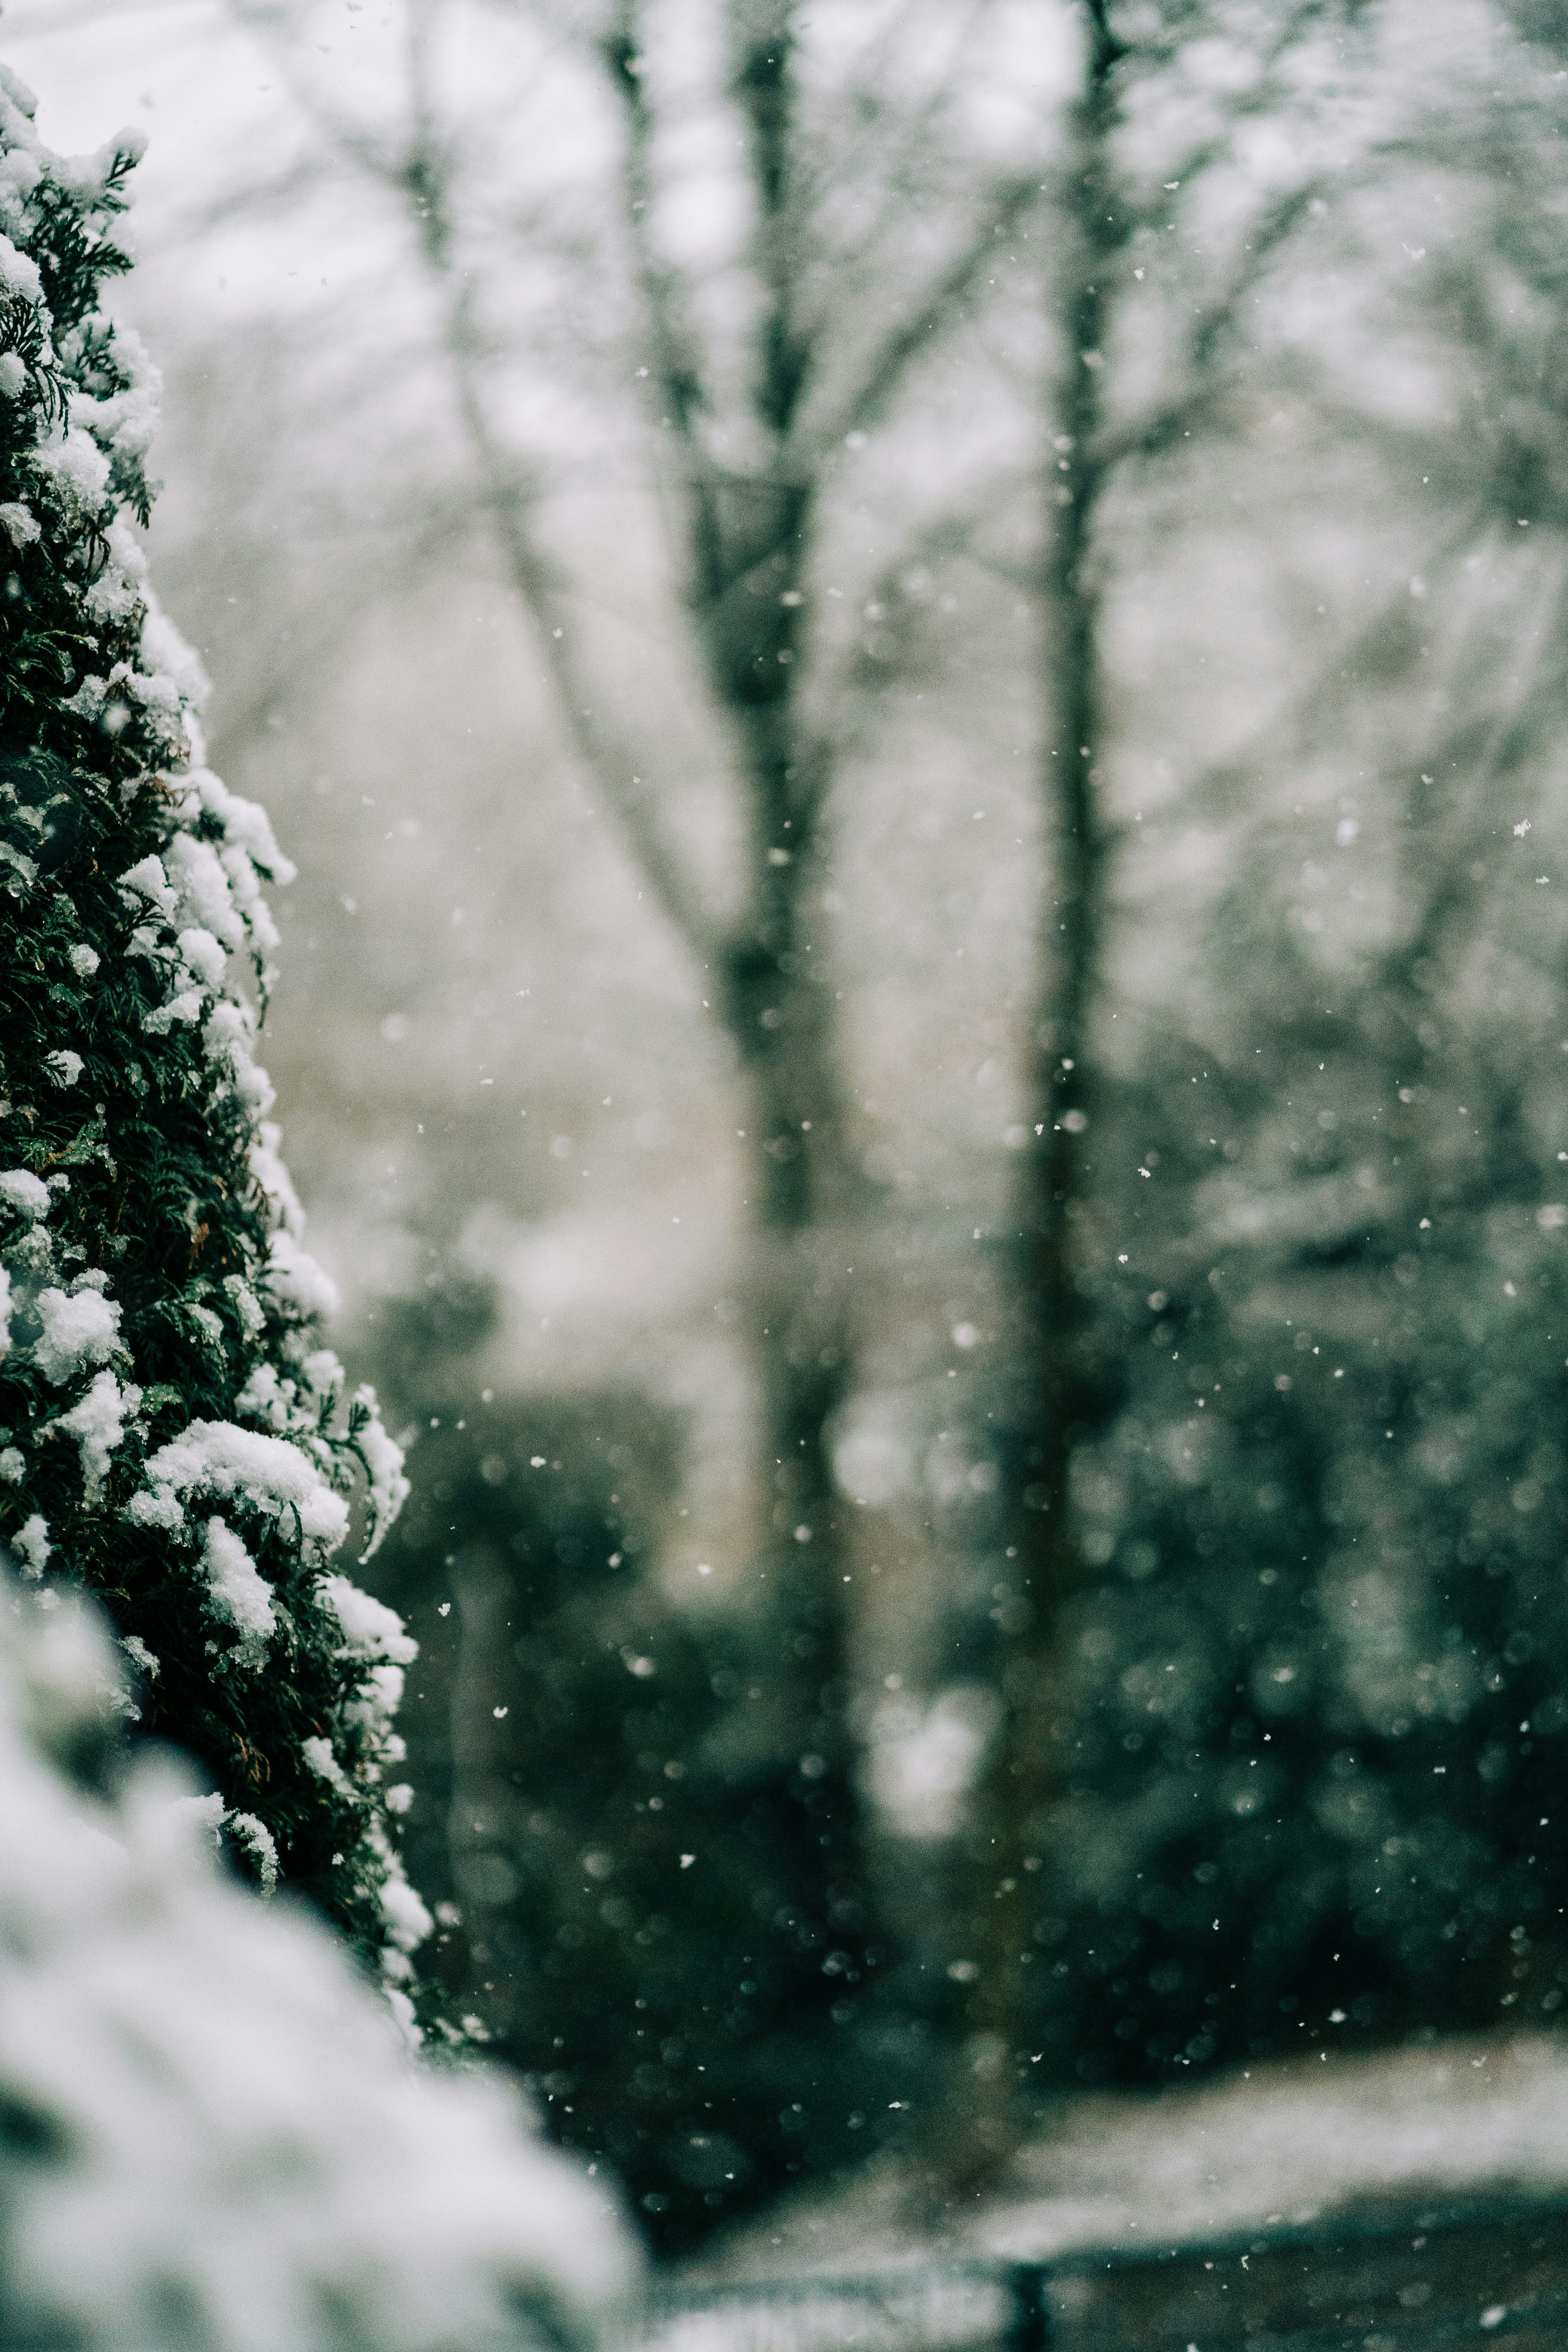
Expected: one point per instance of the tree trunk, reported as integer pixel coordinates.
(782, 1013)
(1063, 1385)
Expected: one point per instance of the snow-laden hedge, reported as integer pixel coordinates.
(172, 1434)
(210, 2130)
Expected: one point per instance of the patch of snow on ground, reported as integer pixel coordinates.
(1283, 2143)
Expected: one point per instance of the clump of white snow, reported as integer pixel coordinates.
(229, 2144)
(296, 1282)
(210, 1812)
(32, 1546)
(146, 884)
(141, 1656)
(318, 1754)
(263, 1847)
(389, 1487)
(237, 1592)
(218, 1458)
(77, 1328)
(21, 1190)
(272, 1178)
(18, 522)
(407, 1920)
(370, 1629)
(97, 1423)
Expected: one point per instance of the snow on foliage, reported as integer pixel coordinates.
(97, 1423)
(238, 1596)
(75, 1329)
(214, 2131)
(370, 1629)
(27, 1194)
(274, 1477)
(172, 1433)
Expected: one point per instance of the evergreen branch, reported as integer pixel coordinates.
(163, 1223)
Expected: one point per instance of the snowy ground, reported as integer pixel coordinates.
(1281, 2144)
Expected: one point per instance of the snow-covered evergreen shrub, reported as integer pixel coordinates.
(209, 2130)
(172, 1434)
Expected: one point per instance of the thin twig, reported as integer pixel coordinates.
(933, 310)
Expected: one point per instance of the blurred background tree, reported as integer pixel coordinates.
(1332, 1617)
(1144, 356)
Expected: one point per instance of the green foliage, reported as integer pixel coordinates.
(171, 1433)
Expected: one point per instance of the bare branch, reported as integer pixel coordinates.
(1261, 98)
(1107, 51)
(271, 22)
(762, 85)
(951, 533)
(259, 198)
(914, 134)
(420, 174)
(509, 501)
(1305, 705)
(678, 372)
(445, 531)
(932, 312)
(1457, 887)
(1158, 430)
(1277, 224)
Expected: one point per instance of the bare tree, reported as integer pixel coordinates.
(823, 362)
(1102, 209)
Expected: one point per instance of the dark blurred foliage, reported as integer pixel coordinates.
(635, 1911)
(1316, 1679)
